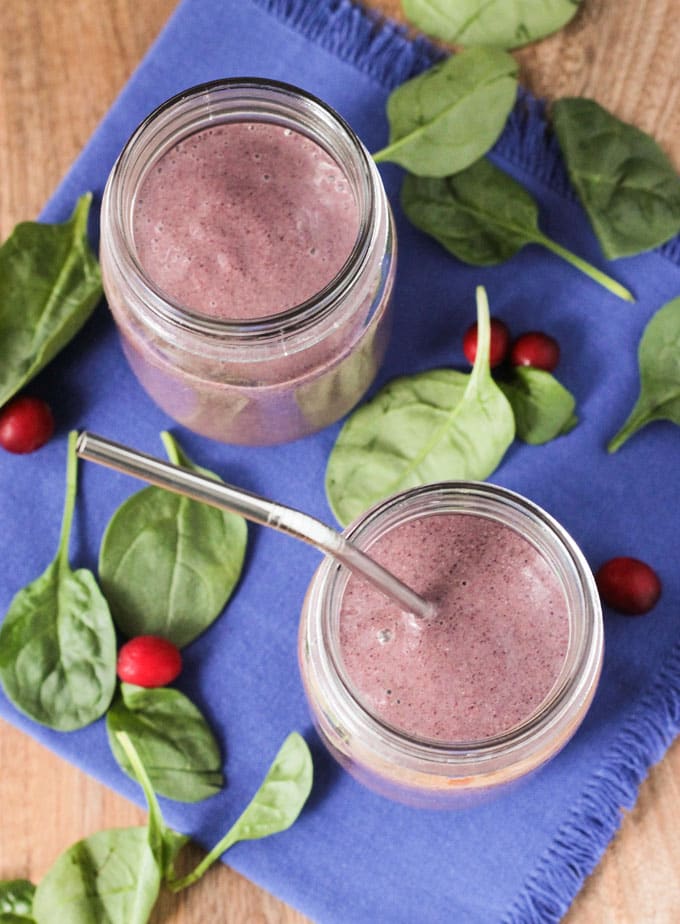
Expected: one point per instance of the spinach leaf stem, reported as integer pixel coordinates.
(592, 271)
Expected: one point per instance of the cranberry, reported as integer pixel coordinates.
(535, 349)
(498, 345)
(26, 424)
(149, 661)
(628, 585)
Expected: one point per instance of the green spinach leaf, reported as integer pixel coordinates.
(110, 877)
(57, 643)
(504, 23)
(16, 901)
(446, 118)
(50, 284)
(659, 362)
(164, 843)
(483, 217)
(432, 426)
(168, 564)
(543, 408)
(626, 183)
(173, 740)
(114, 876)
(273, 808)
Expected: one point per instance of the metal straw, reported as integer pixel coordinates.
(252, 507)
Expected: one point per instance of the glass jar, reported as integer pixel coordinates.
(420, 770)
(277, 376)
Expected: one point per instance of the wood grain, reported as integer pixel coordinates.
(622, 53)
(61, 65)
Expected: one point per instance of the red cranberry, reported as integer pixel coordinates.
(498, 345)
(149, 661)
(26, 424)
(535, 349)
(628, 585)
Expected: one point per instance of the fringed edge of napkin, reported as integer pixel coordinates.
(595, 819)
(387, 52)
(374, 44)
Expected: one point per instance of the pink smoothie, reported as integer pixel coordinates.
(244, 220)
(239, 222)
(488, 659)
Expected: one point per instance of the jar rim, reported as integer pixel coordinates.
(534, 733)
(205, 99)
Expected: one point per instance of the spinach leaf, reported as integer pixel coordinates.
(168, 564)
(432, 426)
(164, 843)
(50, 284)
(273, 808)
(505, 23)
(114, 876)
(446, 118)
(659, 362)
(483, 217)
(626, 183)
(543, 408)
(172, 738)
(57, 643)
(110, 877)
(16, 901)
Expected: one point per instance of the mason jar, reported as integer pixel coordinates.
(210, 274)
(474, 719)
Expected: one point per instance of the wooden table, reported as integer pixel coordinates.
(61, 65)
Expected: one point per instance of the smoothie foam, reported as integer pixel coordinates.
(244, 220)
(491, 655)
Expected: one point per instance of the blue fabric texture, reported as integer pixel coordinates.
(353, 856)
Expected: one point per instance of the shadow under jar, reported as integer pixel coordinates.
(452, 710)
(248, 256)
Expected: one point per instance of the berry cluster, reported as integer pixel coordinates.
(533, 348)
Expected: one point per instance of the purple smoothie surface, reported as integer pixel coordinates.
(244, 220)
(490, 656)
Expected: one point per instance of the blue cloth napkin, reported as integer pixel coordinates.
(353, 856)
